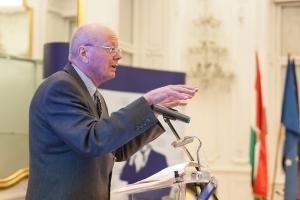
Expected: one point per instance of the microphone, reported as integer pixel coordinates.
(182, 142)
(171, 113)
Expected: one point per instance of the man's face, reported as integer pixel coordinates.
(103, 59)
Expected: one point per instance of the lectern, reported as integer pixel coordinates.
(176, 177)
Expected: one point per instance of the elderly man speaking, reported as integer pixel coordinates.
(73, 141)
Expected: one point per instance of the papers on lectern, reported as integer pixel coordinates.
(165, 178)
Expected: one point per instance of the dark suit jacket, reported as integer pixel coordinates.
(72, 151)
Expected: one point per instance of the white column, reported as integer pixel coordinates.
(102, 11)
(39, 15)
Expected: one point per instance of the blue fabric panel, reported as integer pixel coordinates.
(132, 79)
(55, 57)
(128, 79)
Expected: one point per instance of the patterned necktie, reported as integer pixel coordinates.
(98, 102)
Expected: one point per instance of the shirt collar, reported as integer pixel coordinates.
(86, 80)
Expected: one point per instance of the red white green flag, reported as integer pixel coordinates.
(258, 150)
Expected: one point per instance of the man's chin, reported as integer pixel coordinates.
(112, 76)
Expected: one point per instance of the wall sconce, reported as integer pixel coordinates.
(206, 57)
(207, 67)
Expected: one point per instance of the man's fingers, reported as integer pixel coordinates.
(170, 93)
(184, 89)
(180, 95)
(185, 86)
(173, 103)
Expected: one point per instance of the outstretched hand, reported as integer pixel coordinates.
(170, 95)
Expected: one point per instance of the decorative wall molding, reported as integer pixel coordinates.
(239, 158)
(290, 30)
(11, 24)
(286, 1)
(14, 178)
(17, 20)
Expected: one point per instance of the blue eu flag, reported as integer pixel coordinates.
(290, 119)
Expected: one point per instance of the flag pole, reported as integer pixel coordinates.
(276, 161)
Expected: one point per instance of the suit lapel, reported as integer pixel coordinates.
(70, 70)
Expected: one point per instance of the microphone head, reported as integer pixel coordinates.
(182, 142)
(171, 113)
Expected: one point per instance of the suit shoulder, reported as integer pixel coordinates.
(60, 77)
(58, 82)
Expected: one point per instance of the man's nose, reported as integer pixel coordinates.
(118, 56)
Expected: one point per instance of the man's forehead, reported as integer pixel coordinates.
(96, 34)
(111, 39)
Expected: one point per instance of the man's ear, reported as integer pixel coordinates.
(83, 54)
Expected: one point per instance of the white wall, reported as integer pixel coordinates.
(223, 116)
(102, 11)
(11, 24)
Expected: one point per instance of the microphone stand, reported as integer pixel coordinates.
(188, 153)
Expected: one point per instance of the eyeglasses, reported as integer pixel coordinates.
(113, 51)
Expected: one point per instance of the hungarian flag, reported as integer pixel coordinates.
(290, 120)
(258, 150)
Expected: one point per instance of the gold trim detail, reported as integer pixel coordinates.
(80, 12)
(14, 178)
